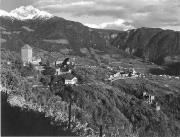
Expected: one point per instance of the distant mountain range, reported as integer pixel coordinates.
(51, 34)
(45, 31)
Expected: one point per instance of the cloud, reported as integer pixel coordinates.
(139, 13)
(142, 13)
(9, 5)
(59, 4)
(118, 24)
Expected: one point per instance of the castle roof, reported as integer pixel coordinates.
(26, 46)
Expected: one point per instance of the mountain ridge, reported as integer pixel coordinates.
(152, 44)
(56, 34)
(25, 13)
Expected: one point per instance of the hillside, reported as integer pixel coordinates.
(118, 106)
(153, 44)
(54, 34)
(67, 37)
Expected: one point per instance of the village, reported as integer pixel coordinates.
(130, 73)
(65, 66)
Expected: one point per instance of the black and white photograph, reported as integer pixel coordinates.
(90, 68)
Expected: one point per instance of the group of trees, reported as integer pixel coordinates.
(11, 77)
(69, 94)
(95, 108)
(93, 111)
(27, 70)
(57, 85)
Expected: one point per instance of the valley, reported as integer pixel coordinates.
(90, 82)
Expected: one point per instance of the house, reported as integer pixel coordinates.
(58, 71)
(110, 68)
(35, 85)
(158, 107)
(26, 54)
(57, 62)
(117, 74)
(151, 98)
(148, 98)
(71, 81)
(30, 77)
(36, 60)
(144, 94)
(124, 75)
(111, 77)
(133, 71)
(8, 63)
(39, 68)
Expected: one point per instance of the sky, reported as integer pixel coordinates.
(109, 14)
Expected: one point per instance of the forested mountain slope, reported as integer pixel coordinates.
(154, 44)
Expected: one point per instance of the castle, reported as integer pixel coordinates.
(26, 54)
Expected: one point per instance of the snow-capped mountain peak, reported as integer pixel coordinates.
(3, 13)
(26, 12)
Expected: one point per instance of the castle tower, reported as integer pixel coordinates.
(26, 54)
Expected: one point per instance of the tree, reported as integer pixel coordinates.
(45, 80)
(68, 94)
(27, 70)
(48, 71)
(57, 84)
(31, 66)
(18, 64)
(12, 80)
(98, 118)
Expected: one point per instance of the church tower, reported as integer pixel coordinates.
(26, 54)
